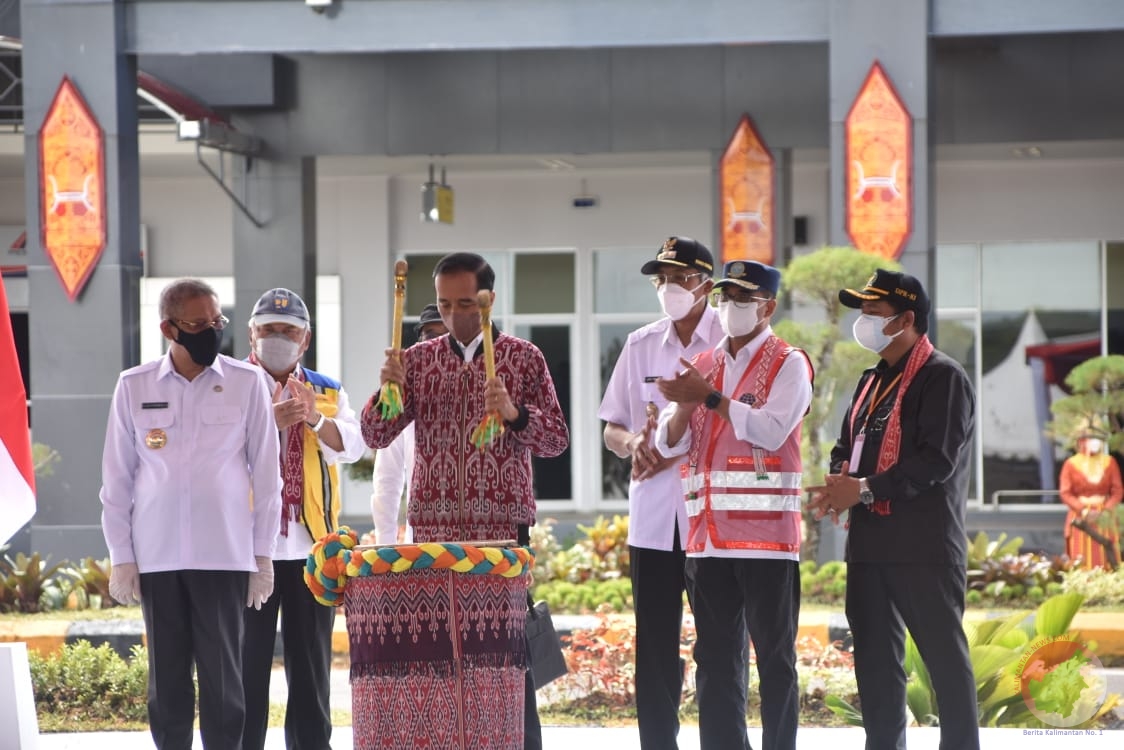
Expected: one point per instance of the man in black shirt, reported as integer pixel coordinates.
(901, 466)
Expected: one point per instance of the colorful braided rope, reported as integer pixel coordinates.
(333, 560)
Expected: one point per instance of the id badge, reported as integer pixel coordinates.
(650, 392)
(857, 451)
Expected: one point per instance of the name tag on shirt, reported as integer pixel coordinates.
(857, 451)
(154, 405)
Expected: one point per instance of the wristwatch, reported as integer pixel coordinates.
(865, 495)
(713, 400)
(319, 423)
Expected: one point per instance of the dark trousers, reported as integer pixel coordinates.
(194, 617)
(306, 636)
(883, 600)
(730, 596)
(657, 599)
(532, 729)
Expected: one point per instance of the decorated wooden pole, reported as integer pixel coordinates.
(391, 396)
(491, 426)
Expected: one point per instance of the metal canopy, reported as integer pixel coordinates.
(190, 27)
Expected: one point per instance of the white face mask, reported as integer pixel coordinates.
(676, 301)
(276, 353)
(1092, 445)
(868, 332)
(738, 321)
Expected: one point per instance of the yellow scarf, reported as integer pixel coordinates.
(320, 513)
(1092, 467)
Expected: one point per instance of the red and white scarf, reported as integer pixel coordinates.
(292, 468)
(892, 437)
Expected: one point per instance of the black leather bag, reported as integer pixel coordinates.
(544, 648)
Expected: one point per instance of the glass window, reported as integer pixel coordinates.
(1036, 298)
(553, 475)
(419, 281)
(614, 471)
(958, 274)
(544, 283)
(1114, 288)
(956, 335)
(1042, 275)
(618, 284)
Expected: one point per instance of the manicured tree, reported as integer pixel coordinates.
(815, 279)
(1097, 401)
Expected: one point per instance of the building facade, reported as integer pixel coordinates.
(533, 110)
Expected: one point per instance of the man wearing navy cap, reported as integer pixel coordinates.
(735, 419)
(318, 430)
(394, 463)
(901, 467)
(657, 525)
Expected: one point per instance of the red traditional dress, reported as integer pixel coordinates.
(1090, 485)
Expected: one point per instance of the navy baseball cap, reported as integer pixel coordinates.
(280, 306)
(751, 275)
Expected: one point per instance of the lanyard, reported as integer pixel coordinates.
(880, 395)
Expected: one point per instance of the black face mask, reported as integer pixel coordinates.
(203, 346)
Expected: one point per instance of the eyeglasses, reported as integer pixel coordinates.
(681, 279)
(739, 299)
(191, 326)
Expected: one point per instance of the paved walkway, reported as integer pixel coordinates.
(618, 738)
(598, 738)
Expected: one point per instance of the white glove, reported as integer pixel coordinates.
(124, 583)
(261, 583)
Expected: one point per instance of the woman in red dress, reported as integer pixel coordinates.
(1091, 488)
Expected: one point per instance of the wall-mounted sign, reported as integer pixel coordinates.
(746, 185)
(879, 168)
(72, 188)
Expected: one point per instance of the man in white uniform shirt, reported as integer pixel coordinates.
(394, 463)
(318, 430)
(735, 422)
(657, 527)
(190, 439)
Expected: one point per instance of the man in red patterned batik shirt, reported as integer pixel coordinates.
(457, 491)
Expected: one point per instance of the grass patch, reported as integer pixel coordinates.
(75, 615)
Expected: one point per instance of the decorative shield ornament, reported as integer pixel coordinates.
(746, 187)
(879, 168)
(72, 188)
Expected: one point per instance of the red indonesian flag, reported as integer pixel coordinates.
(17, 477)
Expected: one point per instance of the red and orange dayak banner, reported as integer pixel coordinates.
(746, 185)
(879, 168)
(72, 188)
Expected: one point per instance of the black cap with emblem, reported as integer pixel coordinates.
(683, 252)
(902, 291)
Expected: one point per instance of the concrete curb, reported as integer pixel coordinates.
(46, 637)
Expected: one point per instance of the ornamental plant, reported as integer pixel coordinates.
(1096, 397)
(1097, 586)
(816, 279)
(90, 686)
(31, 584)
(1003, 654)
